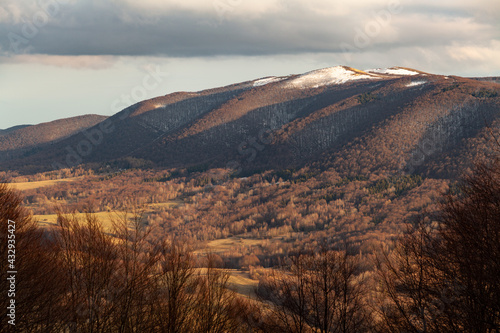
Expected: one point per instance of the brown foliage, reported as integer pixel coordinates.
(445, 279)
(37, 269)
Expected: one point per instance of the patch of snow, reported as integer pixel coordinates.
(392, 71)
(267, 80)
(416, 83)
(327, 76)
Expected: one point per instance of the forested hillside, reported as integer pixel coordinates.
(356, 121)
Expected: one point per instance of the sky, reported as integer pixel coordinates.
(63, 58)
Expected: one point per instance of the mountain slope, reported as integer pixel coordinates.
(385, 120)
(19, 139)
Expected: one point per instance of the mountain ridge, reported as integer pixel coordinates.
(294, 120)
(13, 128)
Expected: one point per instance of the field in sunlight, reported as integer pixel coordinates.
(43, 183)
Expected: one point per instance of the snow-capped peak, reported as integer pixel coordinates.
(393, 71)
(334, 75)
(328, 76)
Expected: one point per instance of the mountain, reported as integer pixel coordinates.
(19, 141)
(378, 120)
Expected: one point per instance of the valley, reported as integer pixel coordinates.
(249, 187)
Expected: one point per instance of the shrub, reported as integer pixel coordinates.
(367, 97)
(485, 93)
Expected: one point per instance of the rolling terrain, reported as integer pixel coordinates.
(384, 120)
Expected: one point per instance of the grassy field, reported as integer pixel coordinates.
(241, 282)
(227, 244)
(43, 183)
(106, 218)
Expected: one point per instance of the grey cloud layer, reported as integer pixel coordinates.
(113, 28)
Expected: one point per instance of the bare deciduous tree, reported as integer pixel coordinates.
(216, 305)
(176, 283)
(445, 279)
(37, 290)
(316, 293)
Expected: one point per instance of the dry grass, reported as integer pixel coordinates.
(106, 219)
(229, 244)
(241, 282)
(43, 183)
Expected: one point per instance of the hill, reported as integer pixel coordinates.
(383, 120)
(19, 141)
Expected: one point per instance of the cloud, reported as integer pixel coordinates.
(197, 28)
(92, 62)
(486, 57)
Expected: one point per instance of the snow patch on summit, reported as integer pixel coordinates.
(392, 71)
(267, 80)
(328, 76)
